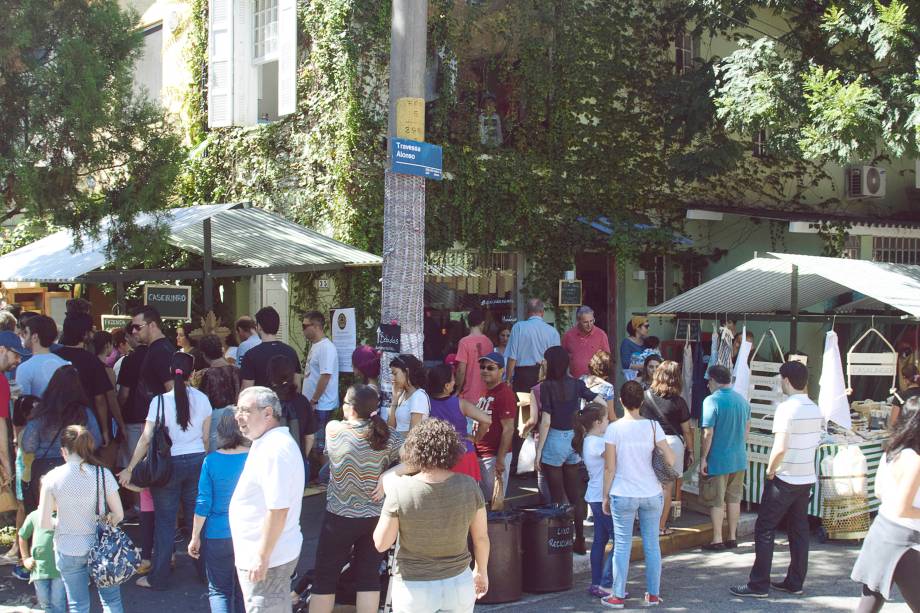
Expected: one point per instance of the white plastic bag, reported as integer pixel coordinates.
(843, 486)
(527, 457)
(858, 467)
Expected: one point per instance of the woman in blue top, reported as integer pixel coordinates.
(219, 473)
(63, 404)
(560, 400)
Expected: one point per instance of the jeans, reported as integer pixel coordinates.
(487, 470)
(75, 573)
(601, 564)
(322, 418)
(224, 591)
(624, 513)
(182, 486)
(453, 595)
(51, 595)
(781, 499)
(273, 593)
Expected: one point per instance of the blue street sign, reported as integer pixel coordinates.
(411, 157)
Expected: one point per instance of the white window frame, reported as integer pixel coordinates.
(263, 9)
(686, 50)
(760, 143)
(895, 250)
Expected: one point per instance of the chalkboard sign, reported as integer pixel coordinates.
(171, 301)
(569, 293)
(113, 322)
(388, 338)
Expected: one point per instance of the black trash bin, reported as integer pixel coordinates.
(547, 536)
(505, 573)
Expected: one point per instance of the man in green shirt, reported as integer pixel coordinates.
(38, 558)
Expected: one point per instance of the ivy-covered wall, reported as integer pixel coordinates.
(594, 121)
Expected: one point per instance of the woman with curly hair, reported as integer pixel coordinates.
(433, 512)
(663, 403)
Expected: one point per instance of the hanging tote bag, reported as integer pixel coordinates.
(664, 471)
(155, 469)
(113, 559)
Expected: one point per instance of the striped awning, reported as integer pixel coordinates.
(764, 286)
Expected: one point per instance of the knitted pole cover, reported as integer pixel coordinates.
(403, 297)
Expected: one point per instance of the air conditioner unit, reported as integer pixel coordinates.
(864, 182)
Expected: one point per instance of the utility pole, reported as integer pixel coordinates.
(402, 298)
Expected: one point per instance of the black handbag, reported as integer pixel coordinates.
(155, 469)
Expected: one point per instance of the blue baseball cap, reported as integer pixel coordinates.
(494, 357)
(11, 341)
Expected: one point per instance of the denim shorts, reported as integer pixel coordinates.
(558, 448)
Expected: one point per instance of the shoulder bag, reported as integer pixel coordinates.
(663, 470)
(155, 469)
(113, 559)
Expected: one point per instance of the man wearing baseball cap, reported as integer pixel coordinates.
(494, 447)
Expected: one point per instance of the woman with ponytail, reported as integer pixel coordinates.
(186, 413)
(360, 449)
(71, 490)
(590, 425)
(455, 411)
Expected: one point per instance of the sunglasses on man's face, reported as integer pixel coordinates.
(489, 367)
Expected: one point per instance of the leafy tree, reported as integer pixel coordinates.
(76, 143)
(842, 85)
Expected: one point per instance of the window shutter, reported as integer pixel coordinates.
(220, 63)
(245, 73)
(287, 57)
(276, 293)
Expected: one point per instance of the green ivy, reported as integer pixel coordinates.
(598, 124)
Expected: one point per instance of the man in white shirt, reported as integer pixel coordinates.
(797, 428)
(321, 381)
(265, 508)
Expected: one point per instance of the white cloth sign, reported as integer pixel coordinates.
(832, 397)
(344, 336)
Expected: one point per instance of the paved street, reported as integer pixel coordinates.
(691, 581)
(696, 581)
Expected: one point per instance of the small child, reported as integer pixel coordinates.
(37, 548)
(590, 425)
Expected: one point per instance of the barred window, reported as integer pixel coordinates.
(686, 50)
(655, 279)
(895, 250)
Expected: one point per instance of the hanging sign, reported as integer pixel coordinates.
(412, 157)
(113, 322)
(388, 338)
(344, 336)
(872, 364)
(569, 293)
(170, 301)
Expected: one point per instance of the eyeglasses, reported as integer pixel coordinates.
(244, 411)
(487, 367)
(644, 326)
(136, 327)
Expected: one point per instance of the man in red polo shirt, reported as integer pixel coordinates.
(500, 402)
(583, 340)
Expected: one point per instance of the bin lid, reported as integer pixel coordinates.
(548, 510)
(508, 517)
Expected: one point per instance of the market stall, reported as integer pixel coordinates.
(796, 289)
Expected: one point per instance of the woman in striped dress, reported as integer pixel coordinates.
(360, 449)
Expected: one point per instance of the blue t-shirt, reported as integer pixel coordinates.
(726, 411)
(219, 475)
(35, 373)
(627, 349)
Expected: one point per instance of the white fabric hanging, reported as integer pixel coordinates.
(832, 397)
(742, 373)
(686, 391)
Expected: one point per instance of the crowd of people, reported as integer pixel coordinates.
(244, 426)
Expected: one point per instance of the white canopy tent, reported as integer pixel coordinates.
(781, 286)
